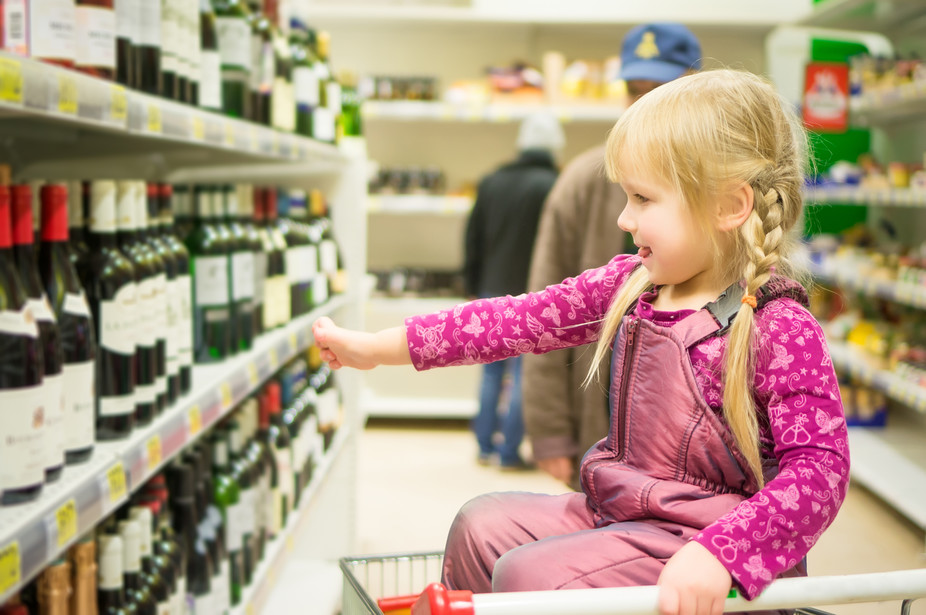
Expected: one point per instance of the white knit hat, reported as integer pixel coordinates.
(541, 130)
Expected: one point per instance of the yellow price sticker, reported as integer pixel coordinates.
(11, 81)
(255, 140)
(66, 521)
(196, 420)
(67, 94)
(253, 377)
(199, 129)
(118, 104)
(10, 567)
(293, 342)
(229, 134)
(226, 393)
(154, 452)
(115, 477)
(154, 119)
(274, 359)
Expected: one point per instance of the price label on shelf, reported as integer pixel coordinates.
(229, 134)
(118, 104)
(11, 81)
(10, 567)
(155, 123)
(226, 393)
(66, 522)
(254, 139)
(115, 483)
(274, 359)
(153, 448)
(253, 377)
(67, 94)
(293, 343)
(195, 420)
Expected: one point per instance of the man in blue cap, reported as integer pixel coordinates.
(578, 231)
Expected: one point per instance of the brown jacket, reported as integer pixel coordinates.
(578, 231)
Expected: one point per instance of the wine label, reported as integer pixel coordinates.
(333, 97)
(260, 277)
(54, 419)
(211, 281)
(169, 36)
(305, 86)
(117, 405)
(205, 604)
(185, 341)
(284, 306)
(19, 323)
(96, 36)
(22, 431)
(149, 28)
(328, 256)
(148, 313)
(14, 27)
(76, 304)
(234, 34)
(328, 407)
(301, 264)
(242, 275)
(41, 310)
(174, 326)
(103, 207)
(52, 31)
(118, 319)
(78, 385)
(210, 80)
(320, 289)
(235, 519)
(146, 393)
(323, 124)
(127, 19)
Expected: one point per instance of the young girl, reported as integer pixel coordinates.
(727, 452)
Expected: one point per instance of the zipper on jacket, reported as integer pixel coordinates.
(630, 345)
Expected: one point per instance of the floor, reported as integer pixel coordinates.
(426, 470)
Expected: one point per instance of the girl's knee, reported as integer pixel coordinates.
(518, 571)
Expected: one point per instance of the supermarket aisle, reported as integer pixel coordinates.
(427, 469)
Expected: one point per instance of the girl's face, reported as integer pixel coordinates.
(675, 250)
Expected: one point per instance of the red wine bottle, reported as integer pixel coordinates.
(109, 281)
(22, 457)
(24, 254)
(182, 291)
(75, 324)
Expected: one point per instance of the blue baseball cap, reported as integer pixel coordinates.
(659, 52)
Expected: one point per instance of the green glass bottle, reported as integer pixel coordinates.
(305, 79)
(241, 272)
(226, 496)
(263, 69)
(233, 27)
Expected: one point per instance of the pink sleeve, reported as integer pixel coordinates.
(772, 531)
(486, 330)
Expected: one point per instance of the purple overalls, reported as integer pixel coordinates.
(668, 468)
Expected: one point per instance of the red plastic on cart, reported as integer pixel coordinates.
(438, 600)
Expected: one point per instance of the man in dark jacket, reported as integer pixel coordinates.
(499, 242)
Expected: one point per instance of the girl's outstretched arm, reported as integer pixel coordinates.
(358, 349)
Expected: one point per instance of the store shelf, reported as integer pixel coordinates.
(436, 111)
(418, 407)
(848, 276)
(848, 360)
(853, 195)
(866, 15)
(889, 106)
(33, 535)
(257, 595)
(404, 204)
(58, 114)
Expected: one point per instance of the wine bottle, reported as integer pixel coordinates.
(75, 325)
(260, 82)
(301, 256)
(185, 518)
(283, 111)
(267, 434)
(263, 463)
(226, 495)
(53, 31)
(128, 25)
(209, 254)
(148, 47)
(147, 241)
(170, 52)
(234, 36)
(54, 588)
(49, 334)
(325, 115)
(78, 199)
(167, 549)
(194, 51)
(83, 563)
(110, 587)
(293, 381)
(249, 220)
(329, 400)
(96, 38)
(108, 279)
(156, 579)
(305, 79)
(320, 235)
(182, 292)
(136, 592)
(279, 293)
(241, 273)
(181, 43)
(210, 75)
(182, 207)
(242, 473)
(211, 525)
(146, 393)
(170, 294)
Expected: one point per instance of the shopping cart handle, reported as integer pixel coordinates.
(438, 600)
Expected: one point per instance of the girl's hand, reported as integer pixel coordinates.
(346, 348)
(693, 582)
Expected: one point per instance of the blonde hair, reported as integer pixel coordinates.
(705, 134)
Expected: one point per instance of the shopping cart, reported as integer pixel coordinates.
(390, 584)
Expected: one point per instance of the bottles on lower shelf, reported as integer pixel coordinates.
(192, 538)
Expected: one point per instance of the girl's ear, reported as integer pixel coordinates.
(735, 207)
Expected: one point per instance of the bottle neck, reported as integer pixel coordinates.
(21, 215)
(54, 214)
(6, 230)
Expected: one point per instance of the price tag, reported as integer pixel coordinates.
(274, 359)
(115, 479)
(11, 81)
(199, 128)
(253, 378)
(10, 567)
(154, 119)
(118, 104)
(229, 134)
(67, 94)
(255, 141)
(195, 420)
(293, 342)
(226, 393)
(66, 522)
(153, 448)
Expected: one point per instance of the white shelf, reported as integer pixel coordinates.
(30, 535)
(404, 204)
(418, 407)
(846, 359)
(866, 15)
(891, 106)
(853, 195)
(848, 276)
(436, 111)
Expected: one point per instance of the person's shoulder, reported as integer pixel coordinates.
(785, 321)
(590, 163)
